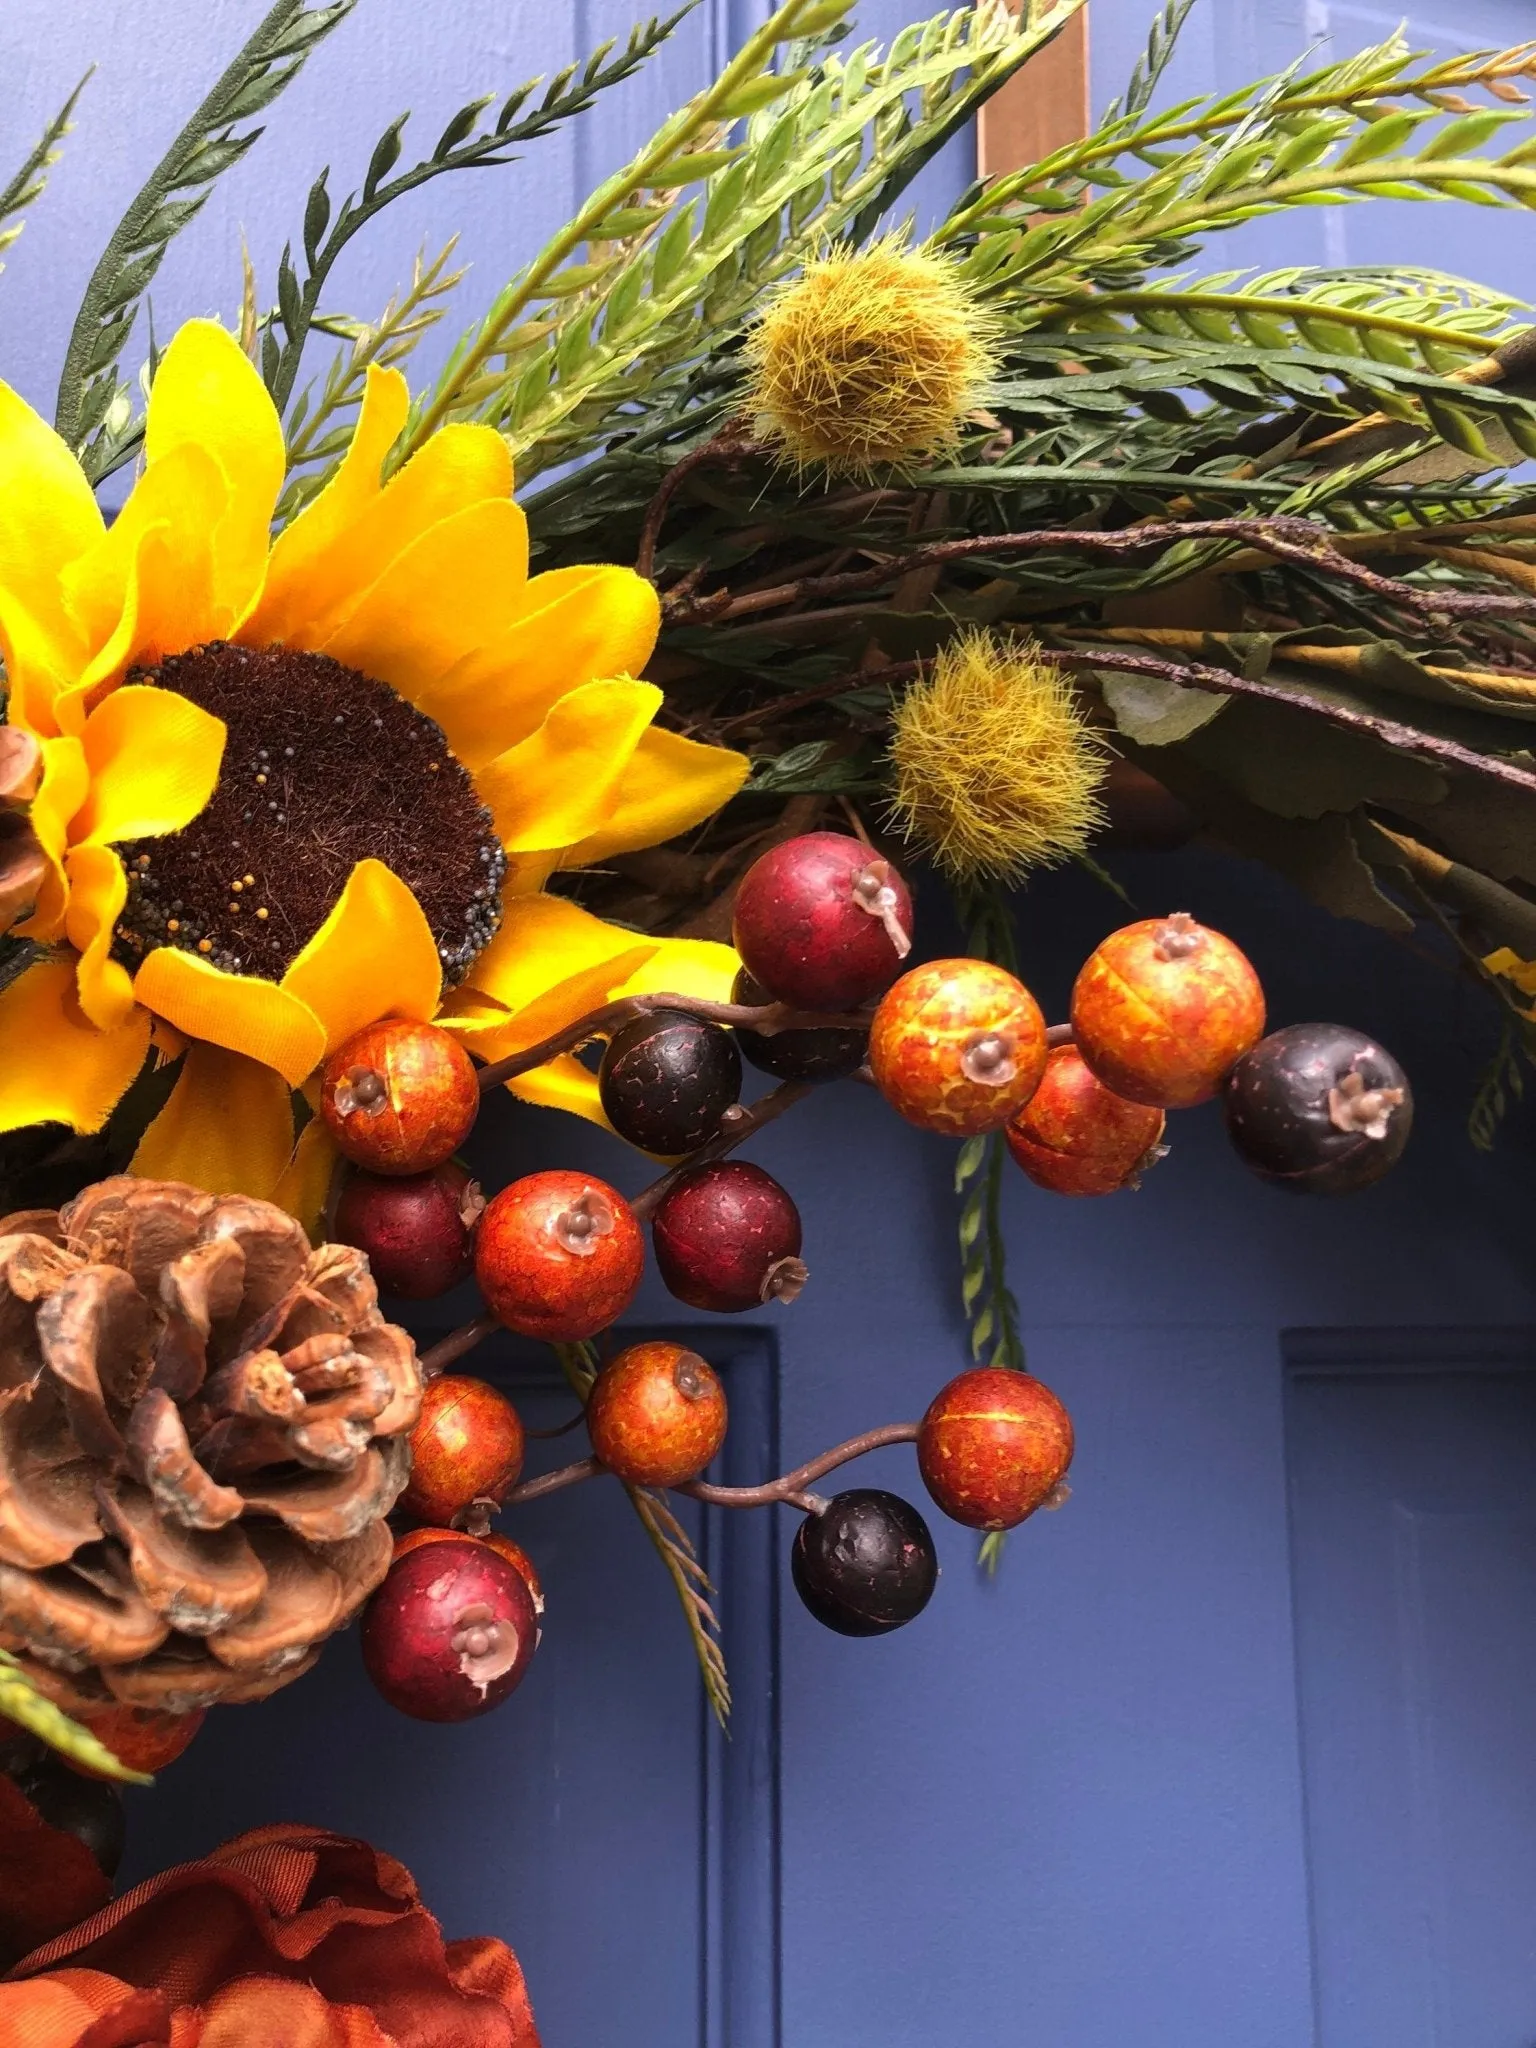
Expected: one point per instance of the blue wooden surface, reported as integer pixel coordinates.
(1066, 1807)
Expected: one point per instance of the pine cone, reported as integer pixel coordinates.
(203, 1424)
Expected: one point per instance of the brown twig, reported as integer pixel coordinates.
(737, 1125)
(767, 1018)
(791, 1487)
(447, 1349)
(840, 686)
(1406, 738)
(1284, 539)
(732, 442)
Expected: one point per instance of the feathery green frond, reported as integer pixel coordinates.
(27, 185)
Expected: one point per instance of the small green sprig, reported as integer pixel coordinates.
(22, 1703)
(27, 185)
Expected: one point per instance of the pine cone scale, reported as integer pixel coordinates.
(203, 1423)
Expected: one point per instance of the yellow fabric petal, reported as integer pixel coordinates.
(494, 1032)
(559, 785)
(685, 967)
(1508, 963)
(154, 762)
(374, 957)
(58, 1068)
(668, 785)
(573, 626)
(208, 394)
(62, 790)
(563, 1084)
(183, 497)
(98, 889)
(338, 547)
(39, 666)
(48, 517)
(543, 942)
(454, 590)
(227, 1127)
(304, 1185)
(238, 1011)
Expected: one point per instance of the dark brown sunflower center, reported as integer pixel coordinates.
(323, 768)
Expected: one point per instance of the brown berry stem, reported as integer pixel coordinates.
(439, 1356)
(791, 1487)
(1060, 1034)
(766, 1018)
(736, 1126)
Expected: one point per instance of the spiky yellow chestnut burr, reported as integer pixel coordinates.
(995, 770)
(870, 357)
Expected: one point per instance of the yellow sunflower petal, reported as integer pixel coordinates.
(65, 782)
(154, 760)
(48, 516)
(208, 393)
(39, 666)
(563, 1084)
(495, 1032)
(454, 590)
(238, 1011)
(98, 889)
(374, 957)
(184, 496)
(304, 1184)
(543, 942)
(668, 784)
(335, 551)
(228, 1126)
(559, 785)
(1508, 963)
(58, 1068)
(684, 967)
(573, 626)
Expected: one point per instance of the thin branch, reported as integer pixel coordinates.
(1285, 539)
(555, 1482)
(730, 444)
(786, 1488)
(439, 1356)
(1406, 738)
(737, 1124)
(767, 1018)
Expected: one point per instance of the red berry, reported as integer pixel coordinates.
(450, 1632)
(993, 1447)
(143, 1738)
(399, 1097)
(727, 1238)
(1164, 1008)
(559, 1255)
(1077, 1137)
(957, 1046)
(514, 1553)
(822, 922)
(418, 1229)
(656, 1415)
(467, 1445)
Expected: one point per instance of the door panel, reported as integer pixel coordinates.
(1413, 1503)
(598, 1821)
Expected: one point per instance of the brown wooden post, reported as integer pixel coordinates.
(1041, 107)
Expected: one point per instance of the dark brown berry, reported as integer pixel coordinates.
(727, 1238)
(865, 1564)
(1319, 1108)
(667, 1078)
(816, 1054)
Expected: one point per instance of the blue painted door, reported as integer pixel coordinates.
(1076, 1806)
(1413, 1515)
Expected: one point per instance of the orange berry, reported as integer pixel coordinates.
(957, 1046)
(143, 1738)
(656, 1415)
(559, 1255)
(467, 1445)
(1077, 1137)
(993, 1447)
(1164, 1009)
(399, 1097)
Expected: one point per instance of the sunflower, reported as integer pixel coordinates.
(292, 786)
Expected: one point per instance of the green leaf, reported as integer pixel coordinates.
(760, 92)
(687, 170)
(386, 154)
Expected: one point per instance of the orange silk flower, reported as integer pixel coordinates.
(287, 1937)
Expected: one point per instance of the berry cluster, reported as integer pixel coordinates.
(1165, 1014)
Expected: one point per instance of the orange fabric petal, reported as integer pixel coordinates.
(98, 889)
(227, 1127)
(573, 626)
(374, 957)
(275, 2012)
(239, 1011)
(453, 591)
(58, 1068)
